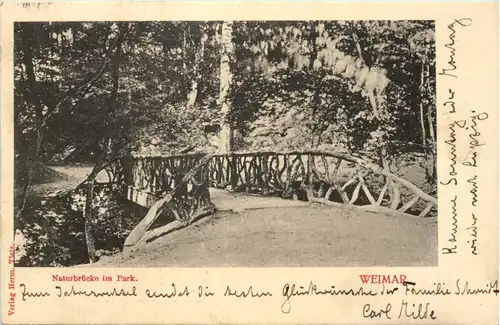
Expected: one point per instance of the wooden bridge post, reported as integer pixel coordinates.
(310, 176)
(264, 175)
(233, 171)
(288, 182)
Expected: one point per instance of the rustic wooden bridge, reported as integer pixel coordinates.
(178, 186)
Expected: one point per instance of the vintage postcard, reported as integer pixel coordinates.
(249, 163)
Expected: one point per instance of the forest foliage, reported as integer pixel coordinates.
(100, 89)
(95, 91)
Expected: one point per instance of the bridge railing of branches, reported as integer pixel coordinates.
(318, 176)
(176, 187)
(325, 177)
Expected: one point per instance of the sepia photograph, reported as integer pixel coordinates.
(225, 143)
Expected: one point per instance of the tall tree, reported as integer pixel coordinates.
(226, 78)
(28, 39)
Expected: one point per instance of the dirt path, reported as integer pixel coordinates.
(312, 235)
(73, 175)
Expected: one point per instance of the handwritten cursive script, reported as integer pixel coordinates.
(290, 291)
(32, 294)
(416, 311)
(451, 142)
(246, 293)
(473, 234)
(441, 289)
(452, 64)
(453, 236)
(168, 294)
(368, 312)
(91, 293)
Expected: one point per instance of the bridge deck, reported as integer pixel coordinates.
(227, 201)
(223, 200)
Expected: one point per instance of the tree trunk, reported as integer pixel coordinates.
(115, 66)
(198, 58)
(377, 110)
(227, 54)
(316, 127)
(184, 47)
(28, 39)
(394, 193)
(107, 149)
(375, 107)
(431, 123)
(87, 215)
(422, 120)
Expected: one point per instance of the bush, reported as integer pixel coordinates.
(54, 233)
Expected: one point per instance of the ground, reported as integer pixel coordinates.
(310, 235)
(277, 232)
